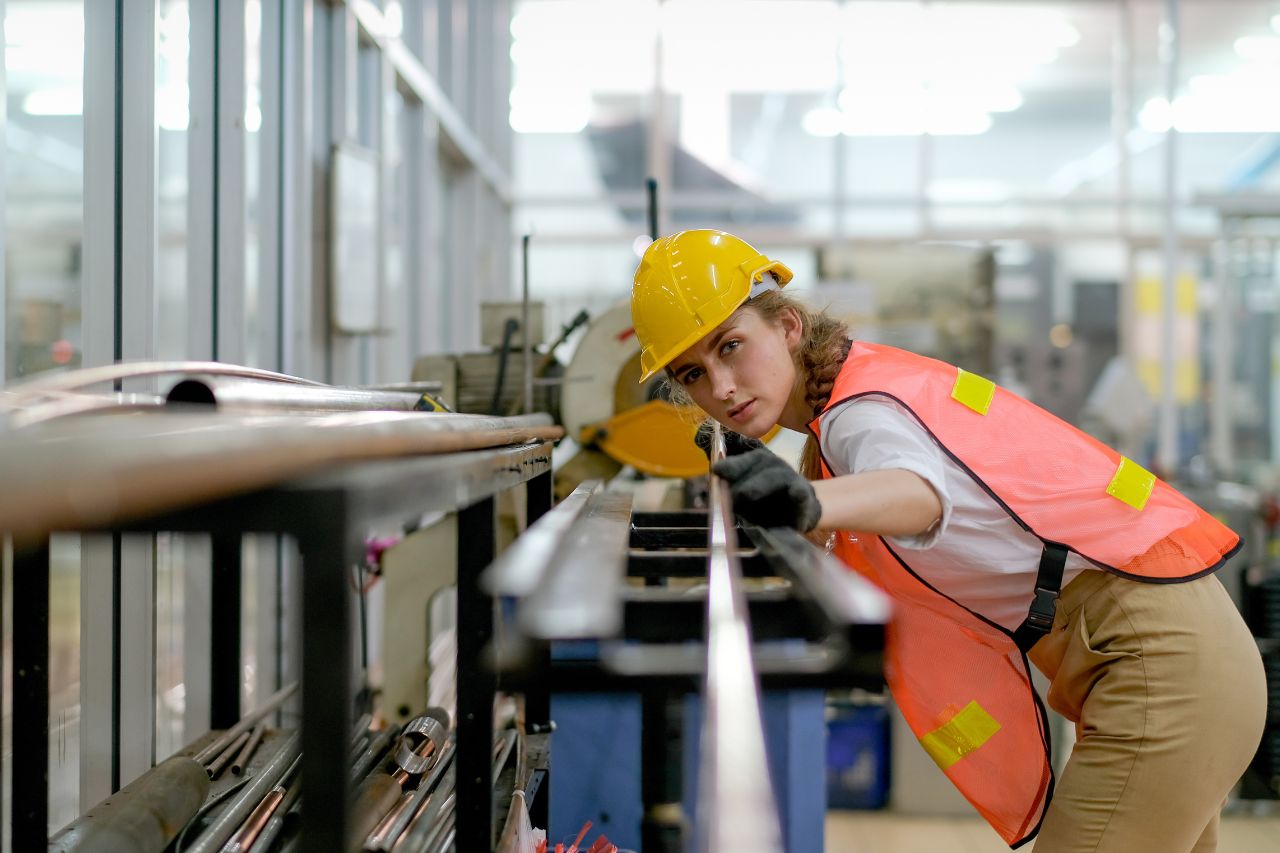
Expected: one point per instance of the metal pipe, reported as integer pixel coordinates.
(377, 796)
(426, 785)
(83, 378)
(275, 700)
(1167, 448)
(736, 810)
(235, 813)
(144, 816)
(377, 748)
(420, 828)
(253, 826)
(57, 478)
(216, 766)
(255, 823)
(526, 334)
(255, 396)
(1221, 363)
(242, 759)
(276, 824)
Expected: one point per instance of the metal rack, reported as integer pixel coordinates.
(816, 626)
(318, 480)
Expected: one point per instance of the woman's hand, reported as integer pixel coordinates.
(769, 492)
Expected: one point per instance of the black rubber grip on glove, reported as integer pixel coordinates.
(769, 492)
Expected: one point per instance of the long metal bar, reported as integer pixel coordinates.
(235, 813)
(736, 806)
(1167, 447)
(76, 379)
(1221, 362)
(526, 334)
(248, 396)
(61, 480)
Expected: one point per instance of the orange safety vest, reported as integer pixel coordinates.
(963, 682)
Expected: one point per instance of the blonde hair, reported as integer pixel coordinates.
(824, 346)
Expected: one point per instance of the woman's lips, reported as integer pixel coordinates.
(740, 412)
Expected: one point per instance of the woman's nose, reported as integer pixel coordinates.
(722, 385)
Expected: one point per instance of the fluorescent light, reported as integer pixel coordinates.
(62, 101)
(1214, 109)
(540, 110)
(1258, 48)
(824, 121)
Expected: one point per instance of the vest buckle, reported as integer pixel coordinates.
(1043, 607)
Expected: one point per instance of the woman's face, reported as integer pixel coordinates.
(743, 373)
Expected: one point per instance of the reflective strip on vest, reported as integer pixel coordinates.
(974, 391)
(969, 729)
(1132, 483)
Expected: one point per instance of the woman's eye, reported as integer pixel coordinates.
(729, 346)
(691, 376)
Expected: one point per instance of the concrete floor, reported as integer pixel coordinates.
(881, 832)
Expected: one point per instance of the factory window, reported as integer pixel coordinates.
(44, 185)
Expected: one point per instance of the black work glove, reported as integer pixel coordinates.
(735, 443)
(769, 492)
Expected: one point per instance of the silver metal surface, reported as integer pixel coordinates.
(1167, 433)
(526, 334)
(252, 396)
(580, 595)
(736, 806)
(570, 565)
(86, 377)
(85, 473)
(520, 568)
(241, 760)
(426, 786)
(224, 758)
(238, 809)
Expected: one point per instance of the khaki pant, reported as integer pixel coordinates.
(1166, 688)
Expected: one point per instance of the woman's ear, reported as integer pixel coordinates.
(792, 328)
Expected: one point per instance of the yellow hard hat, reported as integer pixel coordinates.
(686, 285)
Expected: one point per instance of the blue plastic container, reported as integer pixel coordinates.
(857, 756)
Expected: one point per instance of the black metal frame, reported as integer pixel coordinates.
(328, 516)
(658, 653)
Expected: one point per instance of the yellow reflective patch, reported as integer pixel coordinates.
(1132, 483)
(974, 391)
(965, 732)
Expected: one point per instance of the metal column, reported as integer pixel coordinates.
(326, 674)
(30, 800)
(476, 682)
(224, 638)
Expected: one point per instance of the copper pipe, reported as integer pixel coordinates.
(242, 759)
(227, 754)
(424, 750)
(253, 825)
(379, 835)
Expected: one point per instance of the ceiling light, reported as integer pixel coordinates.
(1258, 48)
(65, 101)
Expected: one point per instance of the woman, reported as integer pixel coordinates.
(1001, 533)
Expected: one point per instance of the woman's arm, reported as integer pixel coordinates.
(891, 502)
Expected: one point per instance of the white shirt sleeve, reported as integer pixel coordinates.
(875, 434)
